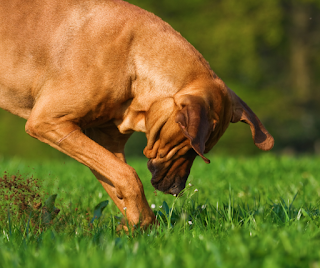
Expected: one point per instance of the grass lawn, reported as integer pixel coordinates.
(260, 211)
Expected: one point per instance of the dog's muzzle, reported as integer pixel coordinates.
(170, 177)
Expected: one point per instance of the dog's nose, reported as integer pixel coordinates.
(175, 189)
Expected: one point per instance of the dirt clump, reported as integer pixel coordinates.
(20, 199)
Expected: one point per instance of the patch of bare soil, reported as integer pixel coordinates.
(21, 199)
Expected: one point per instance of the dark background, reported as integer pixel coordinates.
(266, 51)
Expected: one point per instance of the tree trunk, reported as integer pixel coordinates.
(299, 52)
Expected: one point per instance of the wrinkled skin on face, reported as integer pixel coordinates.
(171, 168)
(174, 151)
(171, 164)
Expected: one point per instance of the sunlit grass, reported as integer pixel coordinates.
(235, 212)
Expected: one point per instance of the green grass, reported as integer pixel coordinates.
(239, 212)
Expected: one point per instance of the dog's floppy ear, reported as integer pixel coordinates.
(194, 123)
(242, 112)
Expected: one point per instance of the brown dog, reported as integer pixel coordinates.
(86, 74)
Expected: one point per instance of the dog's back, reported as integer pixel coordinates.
(86, 45)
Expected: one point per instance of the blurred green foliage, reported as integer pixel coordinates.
(266, 51)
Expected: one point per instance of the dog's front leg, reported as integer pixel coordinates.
(119, 179)
(112, 140)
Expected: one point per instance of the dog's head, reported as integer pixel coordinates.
(188, 125)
